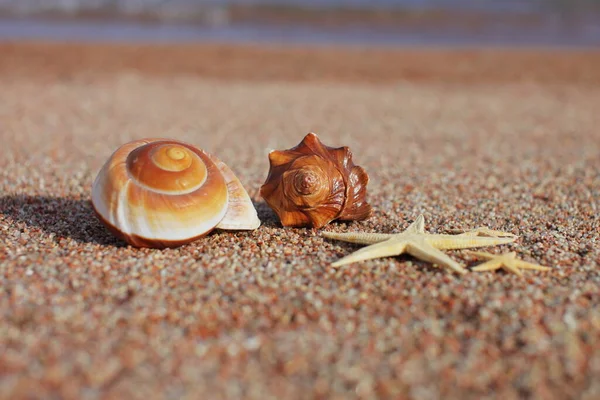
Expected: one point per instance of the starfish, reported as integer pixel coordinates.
(508, 261)
(414, 241)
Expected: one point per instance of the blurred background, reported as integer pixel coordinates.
(372, 22)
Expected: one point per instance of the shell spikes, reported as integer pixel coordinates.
(312, 184)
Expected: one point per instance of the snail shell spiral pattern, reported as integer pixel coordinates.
(313, 184)
(166, 193)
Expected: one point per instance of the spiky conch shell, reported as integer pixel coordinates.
(166, 193)
(312, 184)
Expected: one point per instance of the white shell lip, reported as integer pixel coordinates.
(130, 222)
(241, 214)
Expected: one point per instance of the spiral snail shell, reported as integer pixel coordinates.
(313, 184)
(165, 193)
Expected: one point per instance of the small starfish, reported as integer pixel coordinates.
(414, 241)
(508, 261)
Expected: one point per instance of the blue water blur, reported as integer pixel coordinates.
(115, 31)
(553, 32)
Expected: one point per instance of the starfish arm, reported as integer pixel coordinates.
(357, 237)
(382, 249)
(453, 242)
(488, 266)
(526, 265)
(427, 252)
(418, 226)
(509, 265)
(481, 254)
(482, 231)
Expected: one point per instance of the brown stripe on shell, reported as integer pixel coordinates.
(143, 167)
(113, 177)
(139, 241)
(181, 210)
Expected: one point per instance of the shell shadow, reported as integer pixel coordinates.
(266, 215)
(63, 216)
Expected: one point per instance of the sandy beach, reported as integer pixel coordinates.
(507, 139)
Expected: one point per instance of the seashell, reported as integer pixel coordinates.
(165, 193)
(313, 184)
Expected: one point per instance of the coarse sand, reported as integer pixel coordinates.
(508, 139)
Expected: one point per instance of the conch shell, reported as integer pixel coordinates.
(165, 193)
(313, 184)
